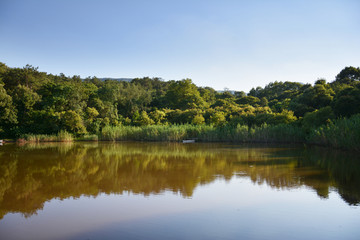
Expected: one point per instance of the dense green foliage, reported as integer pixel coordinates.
(344, 133)
(33, 102)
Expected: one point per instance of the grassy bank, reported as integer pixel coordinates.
(343, 133)
(62, 136)
(175, 133)
(204, 133)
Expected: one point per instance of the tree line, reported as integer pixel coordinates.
(34, 102)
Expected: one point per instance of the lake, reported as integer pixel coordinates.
(141, 190)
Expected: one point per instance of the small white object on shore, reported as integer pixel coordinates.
(188, 141)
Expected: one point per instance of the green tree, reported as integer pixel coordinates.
(25, 99)
(277, 90)
(8, 114)
(347, 102)
(142, 119)
(348, 75)
(317, 118)
(249, 100)
(63, 96)
(158, 116)
(28, 76)
(198, 119)
(208, 95)
(319, 96)
(218, 118)
(72, 122)
(184, 95)
(3, 68)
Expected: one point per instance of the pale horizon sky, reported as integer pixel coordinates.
(235, 44)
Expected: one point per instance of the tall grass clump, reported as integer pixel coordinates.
(227, 133)
(39, 137)
(145, 133)
(264, 133)
(281, 133)
(343, 133)
(171, 133)
(62, 136)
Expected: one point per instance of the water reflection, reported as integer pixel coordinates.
(32, 174)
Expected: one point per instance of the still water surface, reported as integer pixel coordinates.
(177, 191)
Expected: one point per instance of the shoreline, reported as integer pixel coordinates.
(343, 134)
(306, 144)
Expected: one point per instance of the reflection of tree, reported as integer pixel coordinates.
(33, 174)
(342, 168)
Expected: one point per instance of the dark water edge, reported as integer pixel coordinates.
(309, 145)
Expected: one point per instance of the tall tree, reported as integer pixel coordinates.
(184, 94)
(8, 116)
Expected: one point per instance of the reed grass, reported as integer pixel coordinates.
(62, 136)
(204, 133)
(343, 133)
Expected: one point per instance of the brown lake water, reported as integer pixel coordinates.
(177, 191)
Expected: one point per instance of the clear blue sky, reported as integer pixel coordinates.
(236, 44)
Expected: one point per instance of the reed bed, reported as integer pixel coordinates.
(204, 133)
(62, 136)
(343, 133)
